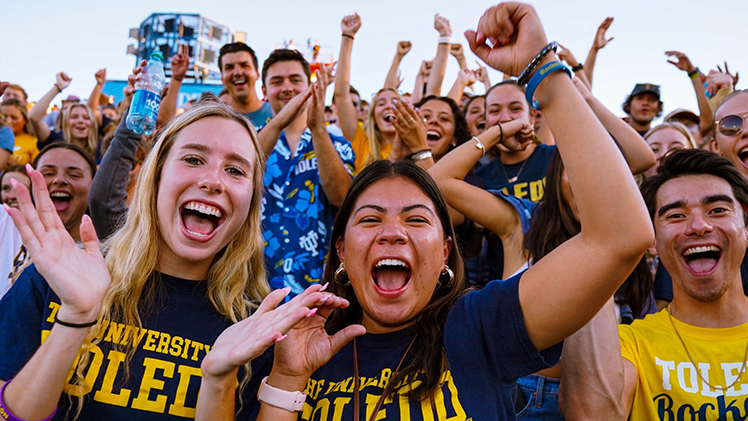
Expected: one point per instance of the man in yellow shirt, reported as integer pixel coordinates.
(687, 362)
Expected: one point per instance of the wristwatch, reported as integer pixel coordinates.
(279, 398)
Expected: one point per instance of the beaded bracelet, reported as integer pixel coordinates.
(525, 75)
(539, 76)
(5, 413)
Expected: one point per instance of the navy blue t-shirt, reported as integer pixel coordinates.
(530, 184)
(487, 346)
(165, 371)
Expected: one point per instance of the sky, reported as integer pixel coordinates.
(79, 37)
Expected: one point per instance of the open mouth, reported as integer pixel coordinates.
(61, 200)
(432, 136)
(389, 117)
(391, 275)
(239, 83)
(201, 220)
(743, 156)
(702, 259)
(481, 126)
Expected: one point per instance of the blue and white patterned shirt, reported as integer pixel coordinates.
(296, 215)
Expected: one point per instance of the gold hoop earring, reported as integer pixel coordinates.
(447, 271)
(341, 270)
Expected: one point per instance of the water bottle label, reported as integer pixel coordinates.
(147, 101)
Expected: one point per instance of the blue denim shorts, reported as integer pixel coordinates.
(541, 394)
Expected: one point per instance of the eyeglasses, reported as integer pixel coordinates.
(731, 125)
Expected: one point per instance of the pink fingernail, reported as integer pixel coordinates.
(13, 182)
(324, 287)
(6, 207)
(281, 338)
(312, 313)
(29, 168)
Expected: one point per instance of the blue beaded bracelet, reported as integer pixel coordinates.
(538, 77)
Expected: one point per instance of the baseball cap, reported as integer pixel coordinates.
(641, 88)
(71, 98)
(682, 113)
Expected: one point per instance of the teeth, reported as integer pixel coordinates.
(204, 209)
(744, 150)
(701, 249)
(391, 262)
(60, 194)
(196, 234)
(433, 133)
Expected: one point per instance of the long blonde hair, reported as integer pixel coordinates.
(236, 278)
(92, 141)
(373, 134)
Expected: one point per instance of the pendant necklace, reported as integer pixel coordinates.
(516, 177)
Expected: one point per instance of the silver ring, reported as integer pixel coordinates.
(411, 119)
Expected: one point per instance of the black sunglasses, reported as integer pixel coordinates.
(731, 125)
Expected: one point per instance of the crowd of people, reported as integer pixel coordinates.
(523, 254)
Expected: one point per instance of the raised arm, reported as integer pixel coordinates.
(682, 62)
(599, 43)
(347, 113)
(635, 149)
(488, 210)
(566, 55)
(80, 279)
(180, 63)
(392, 80)
(465, 78)
(108, 193)
(422, 78)
(585, 271)
(93, 99)
(459, 54)
(439, 68)
(333, 174)
(597, 382)
(36, 115)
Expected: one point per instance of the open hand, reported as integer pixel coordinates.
(600, 40)
(516, 35)
(308, 346)
(180, 63)
(409, 126)
(78, 276)
(316, 115)
(681, 61)
(248, 339)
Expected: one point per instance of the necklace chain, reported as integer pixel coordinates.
(698, 372)
(516, 177)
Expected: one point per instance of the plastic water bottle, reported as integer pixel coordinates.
(147, 98)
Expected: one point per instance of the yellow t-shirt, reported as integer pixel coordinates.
(360, 145)
(25, 150)
(668, 386)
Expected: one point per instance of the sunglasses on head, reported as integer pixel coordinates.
(731, 125)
